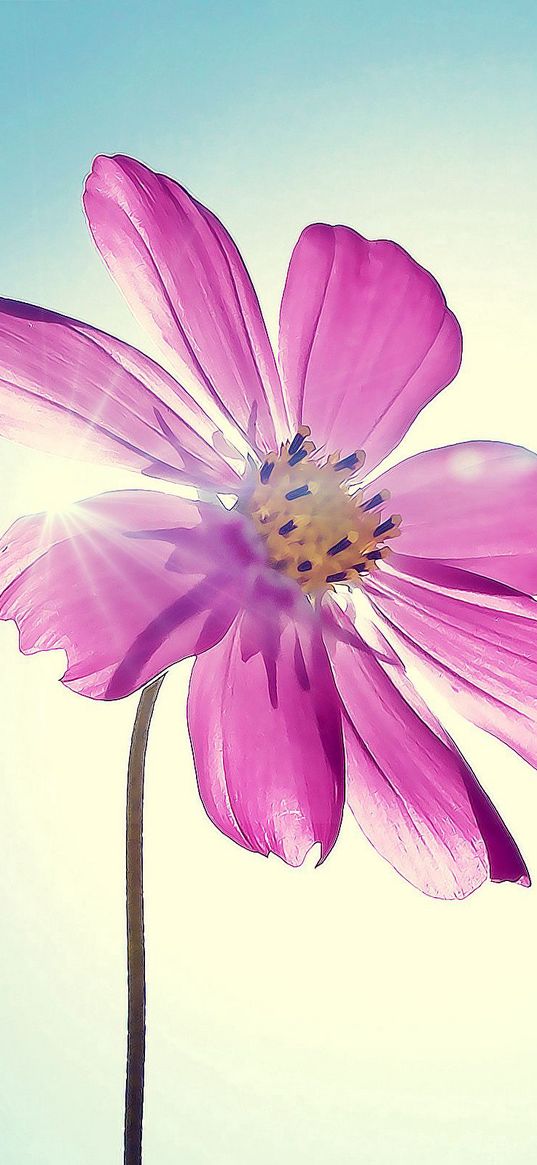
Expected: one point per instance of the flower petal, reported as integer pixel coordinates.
(68, 388)
(479, 648)
(126, 584)
(185, 280)
(366, 340)
(265, 727)
(409, 788)
(472, 505)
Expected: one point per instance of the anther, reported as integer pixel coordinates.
(297, 441)
(299, 492)
(298, 536)
(376, 500)
(339, 546)
(383, 528)
(299, 456)
(266, 471)
(347, 462)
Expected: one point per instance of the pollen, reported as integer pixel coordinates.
(318, 526)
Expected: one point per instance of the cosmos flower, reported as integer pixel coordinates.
(303, 576)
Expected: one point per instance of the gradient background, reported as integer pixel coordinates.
(331, 1015)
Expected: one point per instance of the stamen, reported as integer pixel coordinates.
(347, 462)
(287, 527)
(339, 577)
(376, 500)
(339, 546)
(320, 503)
(266, 471)
(297, 441)
(384, 526)
(299, 492)
(302, 453)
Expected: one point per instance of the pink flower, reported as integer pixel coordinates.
(291, 708)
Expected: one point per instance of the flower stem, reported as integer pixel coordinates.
(134, 1087)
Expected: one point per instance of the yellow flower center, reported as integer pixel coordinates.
(315, 530)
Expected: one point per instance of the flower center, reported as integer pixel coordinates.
(315, 530)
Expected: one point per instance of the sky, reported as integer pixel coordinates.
(330, 1014)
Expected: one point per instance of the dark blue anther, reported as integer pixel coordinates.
(302, 453)
(266, 471)
(384, 526)
(374, 555)
(306, 565)
(287, 527)
(339, 577)
(360, 567)
(299, 492)
(346, 462)
(374, 501)
(339, 546)
(297, 441)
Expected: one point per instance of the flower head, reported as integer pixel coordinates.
(297, 601)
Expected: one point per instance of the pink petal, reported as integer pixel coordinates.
(366, 340)
(472, 505)
(265, 727)
(409, 788)
(185, 280)
(479, 648)
(126, 584)
(67, 388)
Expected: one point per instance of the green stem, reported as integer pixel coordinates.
(134, 1087)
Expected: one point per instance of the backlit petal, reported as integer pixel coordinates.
(366, 340)
(472, 505)
(68, 388)
(409, 788)
(184, 278)
(478, 647)
(126, 584)
(266, 734)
